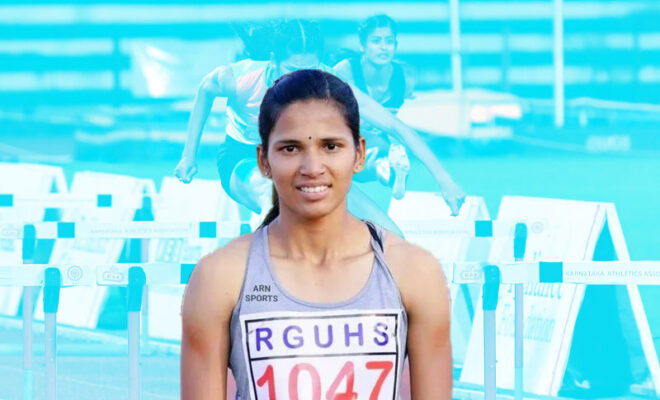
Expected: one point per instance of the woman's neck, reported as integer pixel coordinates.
(376, 74)
(317, 242)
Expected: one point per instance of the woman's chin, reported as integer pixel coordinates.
(315, 211)
(381, 61)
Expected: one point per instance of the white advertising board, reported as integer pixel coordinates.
(28, 180)
(81, 306)
(447, 247)
(199, 200)
(559, 230)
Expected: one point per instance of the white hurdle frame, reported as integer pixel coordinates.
(519, 273)
(107, 274)
(136, 275)
(30, 233)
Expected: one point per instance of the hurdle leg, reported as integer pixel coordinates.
(51, 355)
(28, 374)
(52, 286)
(134, 354)
(143, 327)
(519, 247)
(144, 324)
(136, 285)
(29, 245)
(518, 299)
(490, 385)
(490, 296)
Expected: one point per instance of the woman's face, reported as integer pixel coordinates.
(298, 61)
(311, 159)
(380, 46)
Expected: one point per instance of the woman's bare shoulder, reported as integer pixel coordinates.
(216, 281)
(227, 256)
(412, 266)
(402, 254)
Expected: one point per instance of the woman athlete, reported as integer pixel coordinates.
(375, 72)
(316, 304)
(296, 44)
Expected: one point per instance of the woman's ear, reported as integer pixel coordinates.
(262, 162)
(360, 155)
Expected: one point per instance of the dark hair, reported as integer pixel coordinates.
(302, 85)
(281, 38)
(372, 23)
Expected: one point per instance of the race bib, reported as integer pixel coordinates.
(328, 355)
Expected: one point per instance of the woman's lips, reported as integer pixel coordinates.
(314, 192)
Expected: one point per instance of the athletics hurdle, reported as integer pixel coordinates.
(79, 276)
(21, 207)
(32, 207)
(54, 278)
(20, 181)
(570, 230)
(593, 273)
(83, 305)
(136, 275)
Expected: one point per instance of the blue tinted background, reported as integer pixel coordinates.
(108, 86)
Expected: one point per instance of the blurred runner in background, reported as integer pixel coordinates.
(375, 72)
(273, 51)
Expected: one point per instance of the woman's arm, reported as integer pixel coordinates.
(426, 298)
(218, 83)
(209, 299)
(382, 119)
(409, 77)
(344, 71)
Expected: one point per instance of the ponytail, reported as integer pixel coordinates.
(281, 38)
(274, 211)
(257, 39)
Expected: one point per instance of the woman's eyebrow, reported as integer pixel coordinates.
(287, 142)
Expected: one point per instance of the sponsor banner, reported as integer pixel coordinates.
(631, 272)
(447, 245)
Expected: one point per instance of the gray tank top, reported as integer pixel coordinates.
(285, 348)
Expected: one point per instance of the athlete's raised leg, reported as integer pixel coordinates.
(248, 187)
(398, 160)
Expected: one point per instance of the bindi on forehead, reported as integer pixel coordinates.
(310, 138)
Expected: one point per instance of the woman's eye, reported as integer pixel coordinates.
(331, 146)
(289, 149)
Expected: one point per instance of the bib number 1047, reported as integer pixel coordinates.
(304, 381)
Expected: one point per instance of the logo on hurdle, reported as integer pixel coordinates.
(74, 273)
(471, 274)
(10, 231)
(537, 227)
(113, 275)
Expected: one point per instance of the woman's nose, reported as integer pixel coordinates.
(312, 164)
